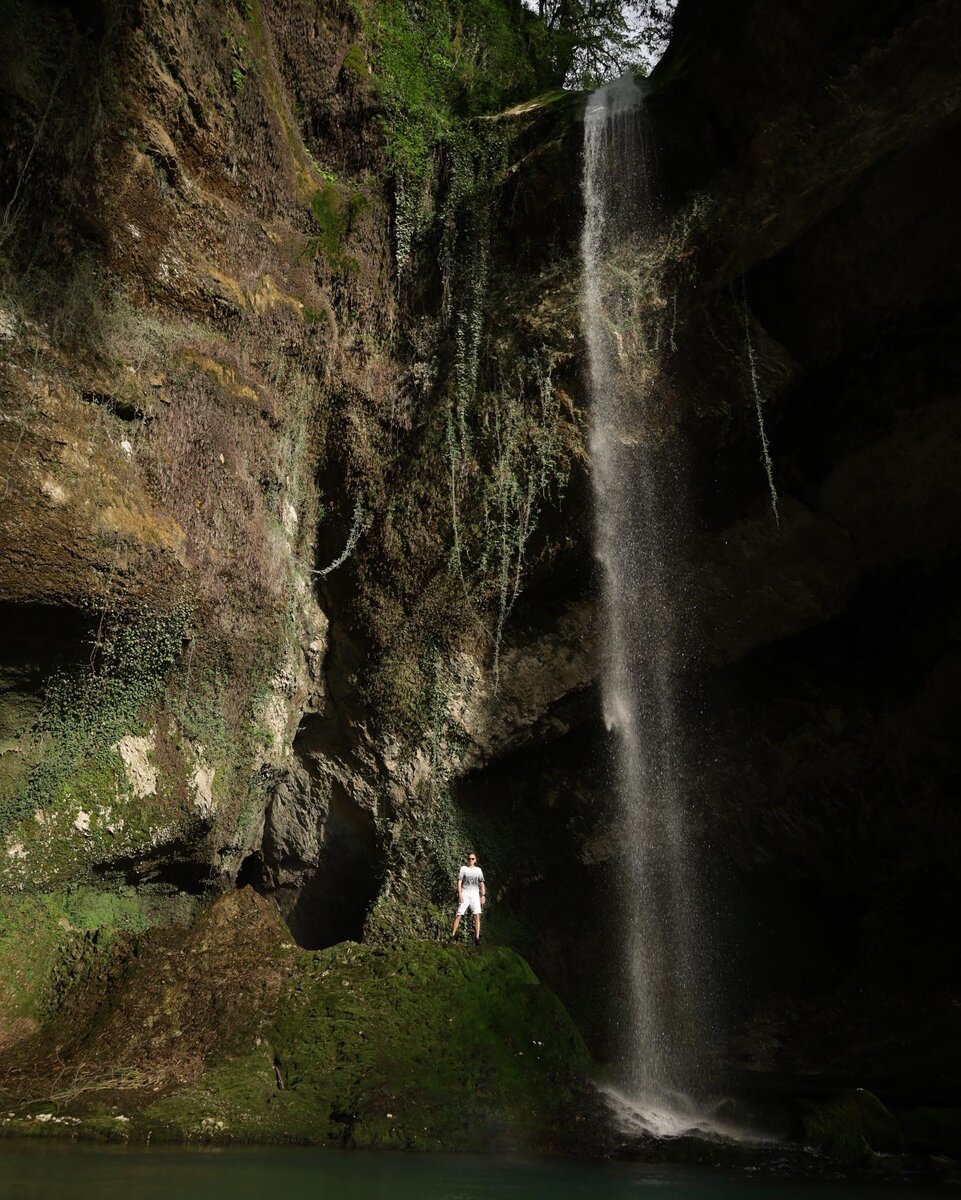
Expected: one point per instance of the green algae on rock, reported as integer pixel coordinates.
(46, 937)
(852, 1125)
(411, 1046)
(225, 1031)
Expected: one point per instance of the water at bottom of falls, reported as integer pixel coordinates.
(672, 1115)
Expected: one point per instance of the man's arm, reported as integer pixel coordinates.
(460, 886)
(483, 889)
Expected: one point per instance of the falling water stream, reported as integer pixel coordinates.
(639, 502)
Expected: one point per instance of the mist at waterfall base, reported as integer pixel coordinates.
(665, 1006)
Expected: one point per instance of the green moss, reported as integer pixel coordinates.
(69, 805)
(94, 785)
(355, 63)
(40, 935)
(88, 708)
(327, 207)
(232, 746)
(852, 1125)
(202, 721)
(413, 1046)
(335, 211)
(30, 939)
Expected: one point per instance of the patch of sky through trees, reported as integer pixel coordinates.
(601, 39)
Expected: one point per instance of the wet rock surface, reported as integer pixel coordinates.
(828, 759)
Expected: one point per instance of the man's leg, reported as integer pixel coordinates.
(453, 932)
(476, 926)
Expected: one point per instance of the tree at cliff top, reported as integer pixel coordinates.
(444, 61)
(595, 40)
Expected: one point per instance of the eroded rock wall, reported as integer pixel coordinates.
(238, 648)
(183, 286)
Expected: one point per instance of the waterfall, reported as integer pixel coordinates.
(639, 503)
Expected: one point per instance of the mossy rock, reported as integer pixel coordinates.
(852, 1125)
(45, 938)
(412, 1046)
(932, 1130)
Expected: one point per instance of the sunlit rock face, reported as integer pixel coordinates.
(168, 344)
(235, 648)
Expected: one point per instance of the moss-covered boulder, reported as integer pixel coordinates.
(48, 939)
(125, 1011)
(413, 1046)
(852, 1125)
(222, 1029)
(932, 1130)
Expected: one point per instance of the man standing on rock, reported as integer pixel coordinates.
(471, 892)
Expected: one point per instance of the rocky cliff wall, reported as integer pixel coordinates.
(829, 769)
(241, 319)
(215, 396)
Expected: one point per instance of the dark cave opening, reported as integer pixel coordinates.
(171, 867)
(324, 900)
(334, 901)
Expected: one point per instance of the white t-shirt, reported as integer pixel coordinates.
(470, 877)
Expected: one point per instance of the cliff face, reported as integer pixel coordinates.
(829, 771)
(232, 359)
(208, 403)
(296, 568)
(807, 279)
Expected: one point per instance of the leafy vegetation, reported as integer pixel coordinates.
(439, 62)
(489, 409)
(442, 62)
(596, 40)
(494, 452)
(88, 708)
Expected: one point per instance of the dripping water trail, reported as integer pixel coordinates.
(758, 405)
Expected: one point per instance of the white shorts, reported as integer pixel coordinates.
(471, 901)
